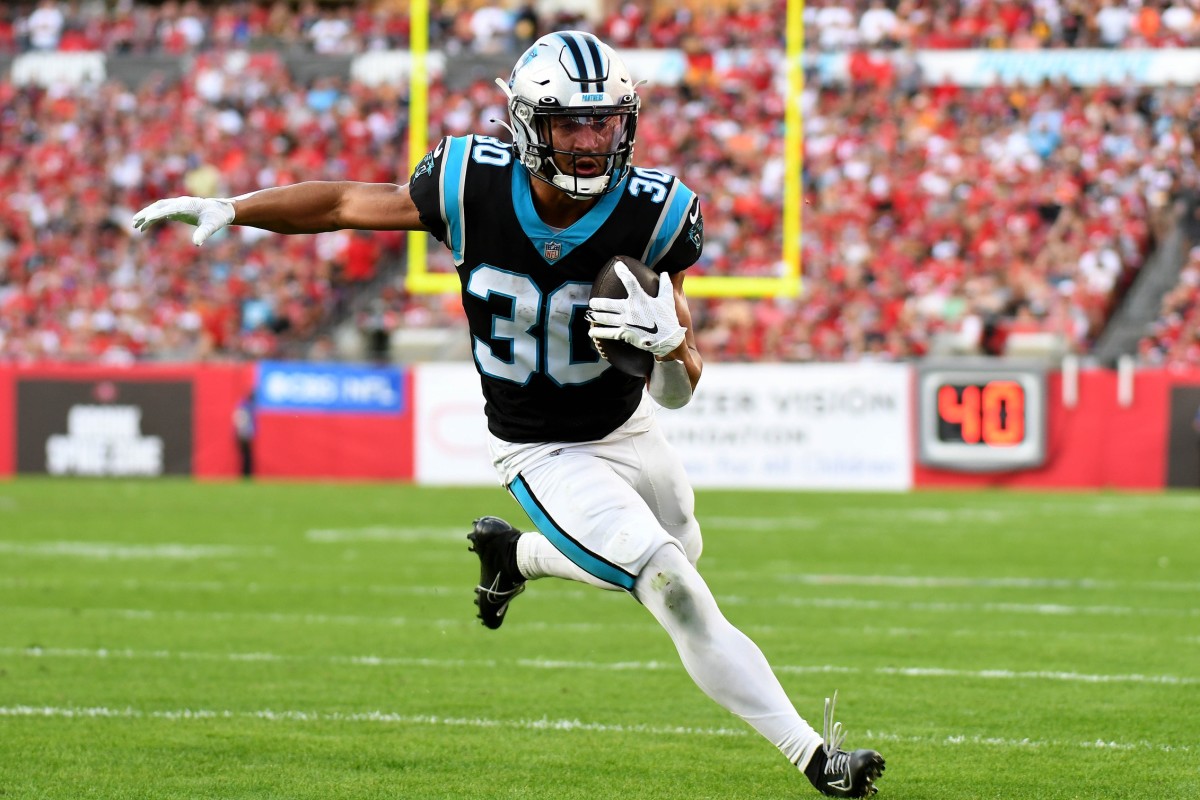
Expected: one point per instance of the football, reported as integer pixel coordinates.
(622, 355)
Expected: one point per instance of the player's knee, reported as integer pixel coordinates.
(693, 543)
(673, 594)
(670, 578)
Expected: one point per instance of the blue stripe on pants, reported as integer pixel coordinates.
(587, 561)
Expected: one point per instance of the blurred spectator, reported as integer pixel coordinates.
(331, 34)
(879, 25)
(491, 30)
(45, 25)
(1179, 20)
(1113, 22)
(526, 27)
(244, 425)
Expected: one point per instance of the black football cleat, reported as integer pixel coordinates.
(495, 542)
(838, 773)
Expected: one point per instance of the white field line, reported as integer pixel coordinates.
(227, 588)
(993, 633)
(956, 582)
(766, 630)
(368, 716)
(1045, 609)
(600, 666)
(1056, 609)
(794, 522)
(1004, 513)
(384, 533)
(935, 515)
(758, 524)
(804, 579)
(294, 619)
(115, 551)
(398, 621)
(543, 724)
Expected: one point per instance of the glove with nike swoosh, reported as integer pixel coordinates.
(208, 214)
(644, 321)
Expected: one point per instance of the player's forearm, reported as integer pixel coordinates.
(690, 357)
(316, 206)
(673, 380)
(687, 352)
(309, 207)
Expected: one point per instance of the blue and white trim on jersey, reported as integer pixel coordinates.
(586, 560)
(540, 233)
(452, 187)
(677, 215)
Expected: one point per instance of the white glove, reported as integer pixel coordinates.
(208, 214)
(648, 323)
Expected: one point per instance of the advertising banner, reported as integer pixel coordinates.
(332, 420)
(749, 426)
(451, 431)
(104, 427)
(775, 426)
(300, 386)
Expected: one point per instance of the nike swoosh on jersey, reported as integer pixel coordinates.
(695, 212)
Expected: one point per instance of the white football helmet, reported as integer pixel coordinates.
(572, 74)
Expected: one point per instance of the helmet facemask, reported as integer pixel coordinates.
(572, 86)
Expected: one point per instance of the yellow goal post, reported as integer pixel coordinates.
(420, 280)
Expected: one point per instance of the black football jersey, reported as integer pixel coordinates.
(525, 285)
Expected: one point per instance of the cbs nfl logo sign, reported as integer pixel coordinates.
(552, 250)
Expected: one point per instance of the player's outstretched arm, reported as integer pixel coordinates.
(309, 207)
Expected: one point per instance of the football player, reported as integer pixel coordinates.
(574, 440)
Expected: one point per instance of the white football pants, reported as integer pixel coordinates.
(619, 514)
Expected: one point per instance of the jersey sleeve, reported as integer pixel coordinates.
(679, 236)
(425, 189)
(438, 187)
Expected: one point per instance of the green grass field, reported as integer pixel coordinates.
(189, 640)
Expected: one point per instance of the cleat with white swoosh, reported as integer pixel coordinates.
(492, 540)
(839, 773)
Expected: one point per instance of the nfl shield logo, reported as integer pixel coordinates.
(552, 250)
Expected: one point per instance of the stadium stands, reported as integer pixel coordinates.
(997, 24)
(1027, 208)
(939, 219)
(1174, 339)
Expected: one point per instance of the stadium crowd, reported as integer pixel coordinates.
(189, 26)
(990, 211)
(1174, 338)
(934, 216)
(76, 284)
(186, 26)
(832, 25)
